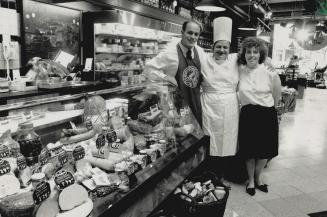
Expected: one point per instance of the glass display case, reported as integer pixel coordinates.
(111, 150)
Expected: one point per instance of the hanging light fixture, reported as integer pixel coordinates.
(247, 25)
(210, 5)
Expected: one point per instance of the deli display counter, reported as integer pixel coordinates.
(117, 152)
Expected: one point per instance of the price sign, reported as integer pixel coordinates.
(4, 151)
(42, 192)
(63, 179)
(111, 136)
(78, 153)
(44, 156)
(63, 157)
(100, 141)
(4, 167)
(21, 162)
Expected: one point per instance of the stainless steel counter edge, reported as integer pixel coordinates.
(31, 103)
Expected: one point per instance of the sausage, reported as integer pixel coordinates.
(78, 138)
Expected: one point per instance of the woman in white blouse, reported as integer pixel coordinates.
(259, 92)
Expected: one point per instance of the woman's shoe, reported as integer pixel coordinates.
(263, 188)
(250, 191)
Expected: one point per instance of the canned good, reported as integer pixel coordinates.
(37, 178)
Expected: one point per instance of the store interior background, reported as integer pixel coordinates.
(283, 25)
(296, 27)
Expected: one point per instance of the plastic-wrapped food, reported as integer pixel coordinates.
(18, 205)
(140, 142)
(95, 110)
(72, 197)
(139, 127)
(152, 118)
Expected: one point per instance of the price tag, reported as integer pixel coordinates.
(88, 124)
(63, 157)
(100, 141)
(78, 153)
(44, 156)
(63, 179)
(111, 136)
(154, 109)
(115, 147)
(21, 162)
(4, 151)
(42, 192)
(4, 167)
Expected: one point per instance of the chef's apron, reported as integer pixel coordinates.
(189, 78)
(221, 107)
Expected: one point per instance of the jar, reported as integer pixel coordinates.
(29, 142)
(37, 178)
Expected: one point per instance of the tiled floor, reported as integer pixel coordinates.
(297, 178)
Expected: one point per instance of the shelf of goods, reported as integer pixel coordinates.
(122, 155)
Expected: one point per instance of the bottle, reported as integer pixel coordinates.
(29, 142)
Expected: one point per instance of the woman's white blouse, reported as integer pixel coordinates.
(256, 86)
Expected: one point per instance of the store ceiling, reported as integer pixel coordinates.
(282, 9)
(286, 9)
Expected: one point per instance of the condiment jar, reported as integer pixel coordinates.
(30, 143)
(37, 178)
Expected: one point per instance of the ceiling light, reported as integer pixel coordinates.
(248, 25)
(209, 5)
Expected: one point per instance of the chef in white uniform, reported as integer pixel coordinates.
(219, 98)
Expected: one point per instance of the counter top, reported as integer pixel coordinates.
(76, 88)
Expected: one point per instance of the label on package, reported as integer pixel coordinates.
(41, 192)
(100, 141)
(63, 157)
(4, 167)
(44, 156)
(4, 151)
(154, 109)
(111, 136)
(101, 180)
(78, 153)
(115, 147)
(63, 179)
(21, 162)
(89, 183)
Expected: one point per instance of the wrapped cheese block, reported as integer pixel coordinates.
(72, 196)
(81, 211)
(49, 208)
(9, 185)
(18, 205)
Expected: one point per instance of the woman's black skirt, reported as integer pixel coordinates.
(258, 132)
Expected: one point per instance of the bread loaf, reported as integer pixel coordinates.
(72, 196)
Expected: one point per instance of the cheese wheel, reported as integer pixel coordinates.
(18, 205)
(9, 185)
(72, 196)
(81, 211)
(49, 208)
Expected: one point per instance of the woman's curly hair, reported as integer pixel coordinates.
(250, 42)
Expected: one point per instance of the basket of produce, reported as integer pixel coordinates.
(202, 195)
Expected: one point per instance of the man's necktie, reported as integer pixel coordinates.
(189, 54)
